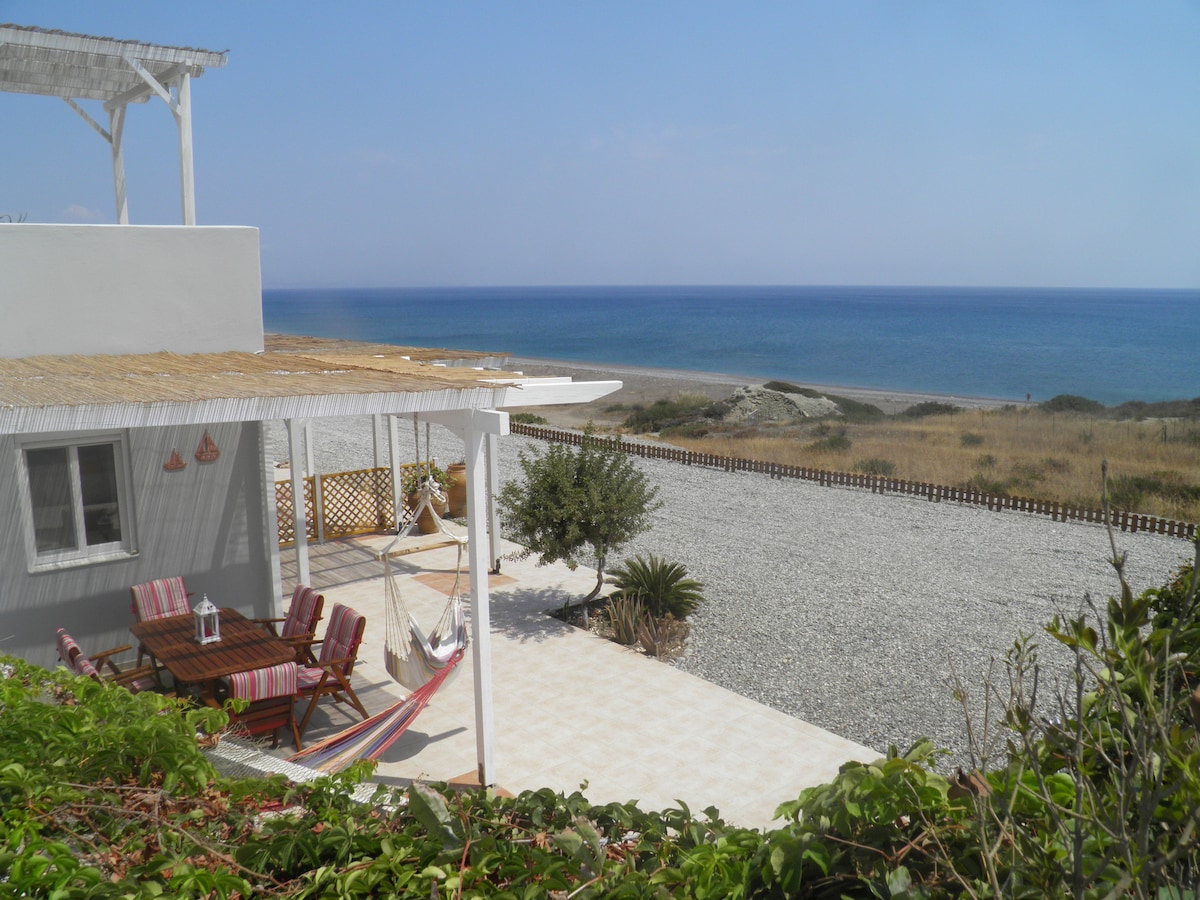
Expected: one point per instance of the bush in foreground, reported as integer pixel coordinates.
(1095, 792)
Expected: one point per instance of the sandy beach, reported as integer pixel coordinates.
(645, 384)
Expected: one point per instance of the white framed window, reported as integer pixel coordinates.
(76, 500)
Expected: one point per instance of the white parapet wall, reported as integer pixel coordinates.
(129, 289)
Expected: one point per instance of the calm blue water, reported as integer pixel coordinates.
(1109, 345)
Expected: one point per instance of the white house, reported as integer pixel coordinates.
(134, 387)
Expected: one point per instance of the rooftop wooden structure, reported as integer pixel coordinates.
(76, 67)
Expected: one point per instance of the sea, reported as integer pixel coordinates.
(1110, 345)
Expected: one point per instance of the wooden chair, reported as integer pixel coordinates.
(158, 599)
(330, 677)
(272, 695)
(299, 626)
(142, 678)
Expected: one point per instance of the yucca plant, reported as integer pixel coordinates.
(625, 614)
(663, 587)
(662, 638)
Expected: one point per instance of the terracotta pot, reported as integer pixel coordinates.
(426, 523)
(456, 494)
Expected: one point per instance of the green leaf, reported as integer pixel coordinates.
(429, 808)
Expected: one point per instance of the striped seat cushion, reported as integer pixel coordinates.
(265, 683)
(160, 598)
(301, 614)
(145, 683)
(342, 636)
(308, 677)
(72, 657)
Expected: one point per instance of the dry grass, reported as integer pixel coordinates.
(1154, 465)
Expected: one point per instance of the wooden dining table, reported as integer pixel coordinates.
(243, 646)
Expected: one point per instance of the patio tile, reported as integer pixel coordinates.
(568, 706)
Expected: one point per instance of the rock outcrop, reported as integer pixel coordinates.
(759, 405)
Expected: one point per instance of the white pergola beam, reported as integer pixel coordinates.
(554, 391)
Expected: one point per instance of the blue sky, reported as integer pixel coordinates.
(452, 143)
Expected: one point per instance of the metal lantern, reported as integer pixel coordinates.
(208, 623)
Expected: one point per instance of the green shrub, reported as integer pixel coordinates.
(875, 466)
(981, 482)
(856, 410)
(664, 588)
(1056, 464)
(1071, 403)
(1129, 492)
(986, 461)
(525, 418)
(664, 414)
(971, 439)
(690, 430)
(786, 387)
(929, 408)
(838, 442)
(568, 501)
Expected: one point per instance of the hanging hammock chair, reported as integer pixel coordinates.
(409, 656)
(419, 662)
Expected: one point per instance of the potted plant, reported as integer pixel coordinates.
(410, 485)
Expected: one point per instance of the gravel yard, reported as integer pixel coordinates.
(846, 609)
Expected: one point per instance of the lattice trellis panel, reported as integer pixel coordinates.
(285, 511)
(358, 502)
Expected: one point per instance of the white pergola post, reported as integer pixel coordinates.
(481, 424)
(116, 131)
(394, 463)
(376, 425)
(187, 175)
(180, 104)
(295, 463)
(493, 491)
(477, 427)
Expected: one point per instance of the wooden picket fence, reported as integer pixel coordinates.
(877, 484)
(347, 503)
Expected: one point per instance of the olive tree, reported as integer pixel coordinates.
(569, 499)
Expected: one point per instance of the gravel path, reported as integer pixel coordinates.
(843, 608)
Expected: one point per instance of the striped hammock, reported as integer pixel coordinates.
(409, 656)
(420, 663)
(370, 738)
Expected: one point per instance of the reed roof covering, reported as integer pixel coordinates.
(42, 392)
(85, 67)
(153, 377)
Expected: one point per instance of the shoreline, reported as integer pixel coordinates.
(645, 384)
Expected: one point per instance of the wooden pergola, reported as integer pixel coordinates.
(79, 67)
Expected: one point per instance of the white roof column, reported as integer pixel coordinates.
(187, 173)
(116, 133)
(481, 424)
(295, 430)
(477, 427)
(493, 491)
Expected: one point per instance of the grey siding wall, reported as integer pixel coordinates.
(211, 522)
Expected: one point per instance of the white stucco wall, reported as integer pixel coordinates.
(129, 289)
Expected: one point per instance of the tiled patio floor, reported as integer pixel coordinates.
(570, 708)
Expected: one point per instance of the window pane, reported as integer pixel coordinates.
(98, 491)
(50, 496)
